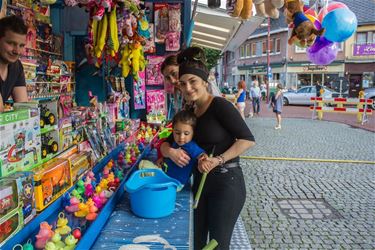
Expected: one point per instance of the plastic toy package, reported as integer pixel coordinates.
(161, 21)
(51, 179)
(153, 73)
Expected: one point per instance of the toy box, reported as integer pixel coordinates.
(10, 225)
(9, 200)
(65, 134)
(20, 143)
(25, 188)
(80, 164)
(51, 180)
(50, 145)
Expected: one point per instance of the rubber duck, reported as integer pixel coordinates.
(62, 225)
(28, 245)
(89, 190)
(73, 207)
(56, 239)
(70, 242)
(83, 210)
(92, 212)
(50, 246)
(45, 234)
(76, 194)
(80, 187)
(98, 201)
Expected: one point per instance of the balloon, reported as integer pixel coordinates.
(340, 24)
(315, 21)
(331, 6)
(322, 52)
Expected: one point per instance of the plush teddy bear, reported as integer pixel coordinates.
(268, 8)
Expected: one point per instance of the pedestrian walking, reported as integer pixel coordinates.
(277, 104)
(241, 97)
(255, 96)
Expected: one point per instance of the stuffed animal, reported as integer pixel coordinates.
(268, 8)
(137, 58)
(240, 8)
(304, 30)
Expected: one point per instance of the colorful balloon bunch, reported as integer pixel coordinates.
(339, 23)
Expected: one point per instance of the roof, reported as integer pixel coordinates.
(363, 9)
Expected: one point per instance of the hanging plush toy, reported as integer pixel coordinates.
(303, 29)
(268, 8)
(240, 8)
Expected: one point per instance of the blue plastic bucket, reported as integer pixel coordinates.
(152, 193)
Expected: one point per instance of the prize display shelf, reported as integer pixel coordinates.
(93, 230)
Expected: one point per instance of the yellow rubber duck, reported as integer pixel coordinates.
(83, 210)
(62, 225)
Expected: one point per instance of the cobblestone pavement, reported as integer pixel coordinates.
(310, 205)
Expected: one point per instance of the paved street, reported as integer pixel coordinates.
(310, 205)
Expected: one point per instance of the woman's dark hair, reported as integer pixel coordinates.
(193, 61)
(12, 23)
(168, 61)
(185, 117)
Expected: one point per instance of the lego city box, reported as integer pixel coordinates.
(20, 140)
(51, 180)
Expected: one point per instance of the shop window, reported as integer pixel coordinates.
(277, 46)
(328, 79)
(361, 37)
(272, 43)
(253, 49)
(259, 49)
(304, 80)
(264, 47)
(242, 77)
(242, 51)
(248, 52)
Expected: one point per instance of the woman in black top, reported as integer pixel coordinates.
(220, 130)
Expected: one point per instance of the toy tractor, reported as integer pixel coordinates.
(46, 117)
(49, 145)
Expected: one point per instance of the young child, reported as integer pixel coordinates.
(183, 125)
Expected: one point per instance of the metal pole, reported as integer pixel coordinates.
(268, 56)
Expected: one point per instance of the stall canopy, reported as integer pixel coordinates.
(215, 29)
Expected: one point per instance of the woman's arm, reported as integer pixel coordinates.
(177, 155)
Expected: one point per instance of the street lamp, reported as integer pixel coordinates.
(269, 73)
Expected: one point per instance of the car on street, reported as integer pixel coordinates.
(370, 94)
(302, 96)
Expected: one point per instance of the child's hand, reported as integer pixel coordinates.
(205, 166)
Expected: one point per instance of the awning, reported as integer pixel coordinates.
(215, 29)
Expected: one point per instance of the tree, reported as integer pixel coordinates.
(212, 56)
